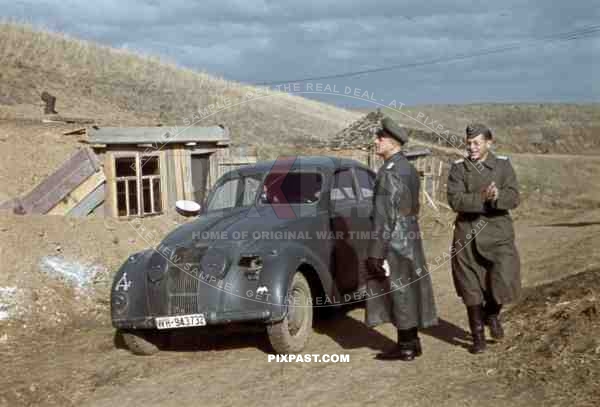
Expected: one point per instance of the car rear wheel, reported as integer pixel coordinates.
(142, 342)
(291, 334)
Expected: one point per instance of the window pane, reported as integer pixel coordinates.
(251, 185)
(366, 181)
(133, 207)
(225, 195)
(147, 201)
(343, 187)
(293, 188)
(121, 202)
(149, 165)
(125, 166)
(157, 200)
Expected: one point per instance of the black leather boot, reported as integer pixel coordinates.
(476, 323)
(492, 319)
(407, 349)
(416, 342)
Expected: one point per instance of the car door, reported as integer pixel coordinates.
(343, 201)
(365, 181)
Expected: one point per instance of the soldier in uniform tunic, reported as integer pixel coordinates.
(482, 189)
(407, 295)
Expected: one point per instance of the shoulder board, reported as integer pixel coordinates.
(502, 157)
(460, 161)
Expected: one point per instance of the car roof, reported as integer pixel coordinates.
(294, 163)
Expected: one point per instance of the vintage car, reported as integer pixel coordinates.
(272, 241)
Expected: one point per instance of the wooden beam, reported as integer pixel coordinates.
(75, 132)
(110, 200)
(186, 160)
(90, 202)
(78, 194)
(179, 188)
(61, 182)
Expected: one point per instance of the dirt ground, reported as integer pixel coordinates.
(81, 363)
(58, 348)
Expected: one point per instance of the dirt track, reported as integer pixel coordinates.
(86, 367)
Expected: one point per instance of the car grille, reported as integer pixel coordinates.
(182, 283)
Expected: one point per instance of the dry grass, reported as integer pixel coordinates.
(557, 187)
(118, 87)
(554, 347)
(519, 127)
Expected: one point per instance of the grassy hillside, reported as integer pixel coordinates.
(536, 128)
(117, 87)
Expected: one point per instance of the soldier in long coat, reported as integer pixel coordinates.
(403, 292)
(482, 189)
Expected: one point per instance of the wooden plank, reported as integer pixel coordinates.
(163, 181)
(99, 211)
(8, 205)
(75, 132)
(178, 174)
(161, 135)
(170, 175)
(90, 202)
(55, 178)
(56, 186)
(110, 200)
(138, 182)
(75, 196)
(93, 159)
(431, 201)
(187, 163)
(202, 150)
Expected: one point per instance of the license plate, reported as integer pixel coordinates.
(180, 321)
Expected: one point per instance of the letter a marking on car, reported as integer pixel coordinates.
(123, 283)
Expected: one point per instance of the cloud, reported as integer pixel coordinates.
(261, 40)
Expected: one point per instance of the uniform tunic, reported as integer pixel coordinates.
(406, 297)
(485, 260)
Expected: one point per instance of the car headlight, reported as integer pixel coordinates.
(119, 303)
(215, 263)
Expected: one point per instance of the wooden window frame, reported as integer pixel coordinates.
(137, 156)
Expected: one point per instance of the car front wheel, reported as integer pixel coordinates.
(142, 342)
(291, 334)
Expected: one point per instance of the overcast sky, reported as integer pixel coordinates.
(261, 40)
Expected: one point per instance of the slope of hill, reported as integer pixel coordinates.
(554, 343)
(118, 87)
(535, 128)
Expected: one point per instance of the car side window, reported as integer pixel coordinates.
(343, 186)
(366, 182)
(292, 187)
(251, 185)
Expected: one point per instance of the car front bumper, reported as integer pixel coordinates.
(212, 318)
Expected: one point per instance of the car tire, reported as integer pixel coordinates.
(291, 334)
(142, 342)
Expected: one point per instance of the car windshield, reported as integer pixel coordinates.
(277, 188)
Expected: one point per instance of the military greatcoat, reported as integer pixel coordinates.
(405, 298)
(485, 260)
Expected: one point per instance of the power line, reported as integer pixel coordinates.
(585, 32)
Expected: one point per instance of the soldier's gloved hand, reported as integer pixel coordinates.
(375, 270)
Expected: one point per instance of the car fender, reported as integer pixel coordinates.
(128, 290)
(280, 264)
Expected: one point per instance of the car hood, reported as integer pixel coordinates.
(222, 228)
